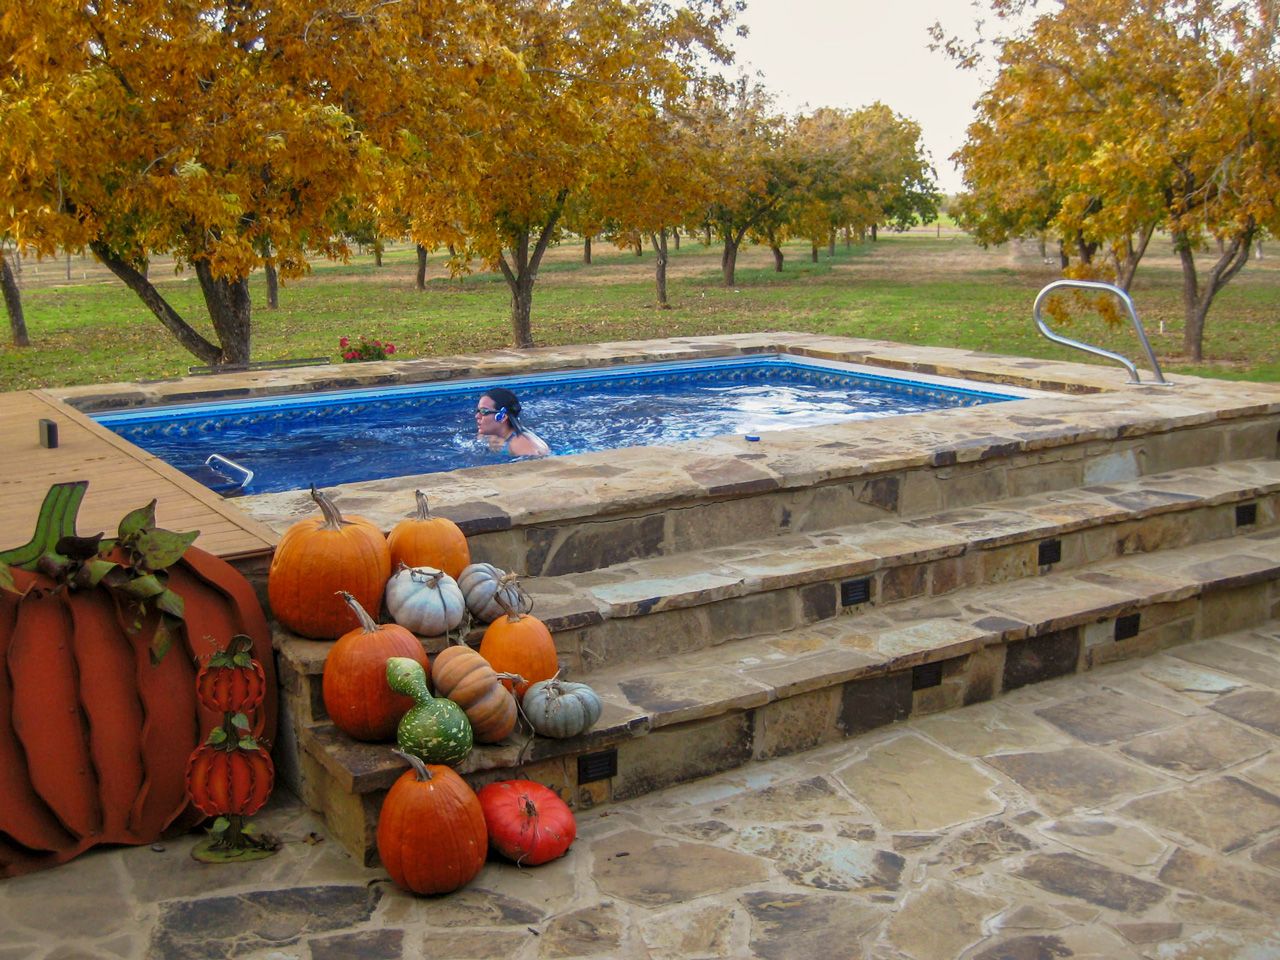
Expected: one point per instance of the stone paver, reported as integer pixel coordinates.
(1061, 821)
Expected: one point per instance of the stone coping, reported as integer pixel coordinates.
(1089, 403)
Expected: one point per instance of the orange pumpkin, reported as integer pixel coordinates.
(467, 679)
(432, 836)
(520, 643)
(230, 778)
(354, 684)
(319, 557)
(426, 541)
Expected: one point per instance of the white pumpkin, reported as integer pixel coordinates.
(486, 589)
(425, 600)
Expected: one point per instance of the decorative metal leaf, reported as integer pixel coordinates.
(162, 548)
(171, 603)
(135, 521)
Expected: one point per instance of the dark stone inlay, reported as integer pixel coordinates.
(223, 927)
(789, 925)
(366, 945)
(818, 602)
(654, 695)
(882, 492)
(875, 701)
(477, 516)
(1041, 658)
(1072, 875)
(1257, 708)
(1033, 947)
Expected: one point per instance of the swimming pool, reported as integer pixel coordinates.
(284, 443)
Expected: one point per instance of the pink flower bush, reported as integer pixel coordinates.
(364, 349)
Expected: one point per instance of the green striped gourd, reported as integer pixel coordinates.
(435, 729)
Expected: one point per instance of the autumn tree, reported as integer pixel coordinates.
(590, 77)
(1121, 116)
(660, 186)
(740, 126)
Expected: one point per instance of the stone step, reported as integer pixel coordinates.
(634, 612)
(665, 723)
(700, 599)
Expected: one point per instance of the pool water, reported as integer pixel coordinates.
(349, 436)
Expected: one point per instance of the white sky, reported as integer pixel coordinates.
(850, 53)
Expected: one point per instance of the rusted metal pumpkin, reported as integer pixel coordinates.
(96, 721)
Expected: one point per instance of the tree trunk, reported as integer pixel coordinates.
(639, 246)
(586, 249)
(706, 241)
(777, 257)
(150, 296)
(377, 253)
(522, 271)
(229, 309)
(831, 243)
(13, 303)
(422, 267)
(1197, 297)
(729, 260)
(659, 241)
(874, 233)
(813, 252)
(273, 285)
(1126, 268)
(848, 238)
(675, 235)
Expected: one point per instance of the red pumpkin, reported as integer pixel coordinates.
(521, 644)
(527, 822)
(431, 831)
(426, 541)
(94, 736)
(232, 681)
(354, 684)
(226, 782)
(320, 556)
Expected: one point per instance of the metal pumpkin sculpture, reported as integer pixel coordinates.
(97, 715)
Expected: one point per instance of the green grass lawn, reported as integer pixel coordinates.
(912, 288)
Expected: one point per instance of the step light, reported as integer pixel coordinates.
(1246, 514)
(597, 766)
(1127, 626)
(926, 675)
(1050, 551)
(854, 592)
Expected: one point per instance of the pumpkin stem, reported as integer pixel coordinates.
(423, 512)
(332, 518)
(427, 575)
(530, 810)
(419, 768)
(57, 519)
(367, 623)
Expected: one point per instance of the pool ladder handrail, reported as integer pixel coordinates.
(217, 460)
(1090, 348)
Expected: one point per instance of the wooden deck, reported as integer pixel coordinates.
(121, 477)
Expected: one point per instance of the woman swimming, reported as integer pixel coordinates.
(498, 424)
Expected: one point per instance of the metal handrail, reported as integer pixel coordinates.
(1090, 348)
(216, 460)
